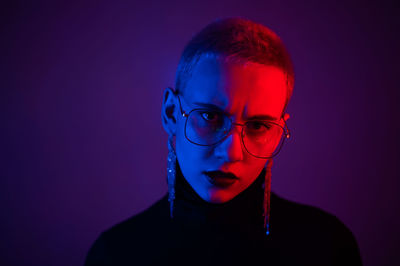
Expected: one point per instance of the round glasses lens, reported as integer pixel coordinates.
(262, 139)
(206, 127)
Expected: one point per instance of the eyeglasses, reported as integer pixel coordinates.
(261, 138)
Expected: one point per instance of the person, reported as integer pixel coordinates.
(226, 120)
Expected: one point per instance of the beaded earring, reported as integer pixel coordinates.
(267, 196)
(171, 173)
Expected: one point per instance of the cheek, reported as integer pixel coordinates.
(189, 154)
(251, 167)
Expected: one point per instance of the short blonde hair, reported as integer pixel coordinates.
(239, 40)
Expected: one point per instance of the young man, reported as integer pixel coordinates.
(226, 120)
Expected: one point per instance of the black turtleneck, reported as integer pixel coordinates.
(241, 213)
(231, 233)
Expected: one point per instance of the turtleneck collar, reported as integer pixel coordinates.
(243, 211)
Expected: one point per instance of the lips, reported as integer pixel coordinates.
(221, 179)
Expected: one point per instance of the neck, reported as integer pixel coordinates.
(243, 211)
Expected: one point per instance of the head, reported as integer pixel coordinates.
(239, 69)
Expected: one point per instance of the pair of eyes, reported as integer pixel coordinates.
(218, 118)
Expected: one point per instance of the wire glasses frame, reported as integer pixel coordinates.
(285, 132)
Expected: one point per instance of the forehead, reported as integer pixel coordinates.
(242, 90)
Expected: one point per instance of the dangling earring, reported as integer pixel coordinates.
(267, 196)
(171, 172)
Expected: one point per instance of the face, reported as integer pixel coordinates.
(220, 172)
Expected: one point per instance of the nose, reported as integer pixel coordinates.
(230, 149)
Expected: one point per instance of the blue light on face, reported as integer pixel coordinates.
(231, 93)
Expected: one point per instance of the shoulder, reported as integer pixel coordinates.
(149, 219)
(140, 230)
(290, 214)
(309, 227)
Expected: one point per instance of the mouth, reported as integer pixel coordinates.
(220, 179)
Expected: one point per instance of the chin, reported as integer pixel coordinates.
(219, 196)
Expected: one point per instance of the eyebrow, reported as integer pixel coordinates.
(262, 117)
(208, 105)
(252, 118)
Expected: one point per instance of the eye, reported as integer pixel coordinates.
(257, 127)
(210, 116)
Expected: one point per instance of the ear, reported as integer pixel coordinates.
(169, 111)
(286, 117)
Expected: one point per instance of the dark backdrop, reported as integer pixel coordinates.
(82, 146)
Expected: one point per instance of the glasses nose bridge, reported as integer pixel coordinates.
(231, 128)
(238, 124)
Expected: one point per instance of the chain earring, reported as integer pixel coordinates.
(171, 174)
(267, 196)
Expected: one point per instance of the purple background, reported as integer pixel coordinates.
(82, 144)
